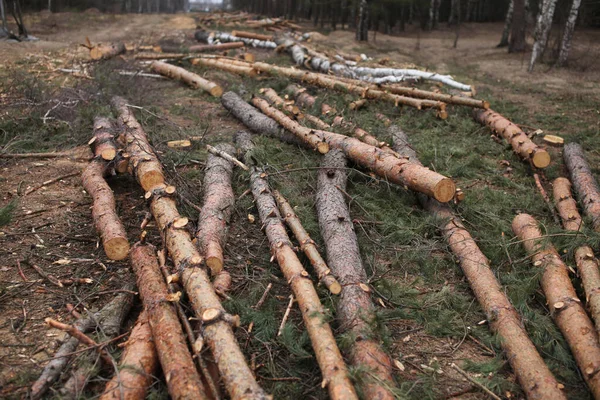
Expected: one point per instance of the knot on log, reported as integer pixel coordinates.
(213, 315)
(301, 275)
(563, 304)
(163, 191)
(191, 262)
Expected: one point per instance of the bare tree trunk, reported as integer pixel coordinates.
(362, 30)
(434, 14)
(565, 46)
(542, 29)
(3, 16)
(519, 23)
(507, 25)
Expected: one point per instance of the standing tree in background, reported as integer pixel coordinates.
(362, 30)
(517, 42)
(565, 45)
(4, 30)
(507, 25)
(542, 29)
(434, 14)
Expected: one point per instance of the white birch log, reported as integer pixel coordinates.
(565, 46)
(542, 29)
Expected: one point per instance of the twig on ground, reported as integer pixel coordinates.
(263, 297)
(474, 382)
(51, 181)
(286, 315)
(82, 337)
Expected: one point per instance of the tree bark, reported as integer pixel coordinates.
(519, 24)
(534, 376)
(385, 165)
(104, 214)
(566, 205)
(542, 29)
(216, 211)
(565, 46)
(507, 25)
(356, 313)
(104, 52)
(252, 35)
(307, 245)
(301, 96)
(176, 361)
(563, 303)
(237, 376)
(584, 182)
(519, 141)
(362, 29)
(333, 368)
(189, 78)
(136, 367)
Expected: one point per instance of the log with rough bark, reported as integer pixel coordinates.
(226, 66)
(73, 331)
(307, 245)
(104, 52)
(565, 307)
(584, 182)
(52, 371)
(566, 204)
(183, 380)
(203, 48)
(104, 214)
(217, 330)
(292, 110)
(534, 376)
(386, 165)
(329, 358)
(519, 141)
(137, 366)
(252, 35)
(355, 309)
(216, 212)
(215, 37)
(587, 264)
(159, 56)
(302, 97)
(189, 78)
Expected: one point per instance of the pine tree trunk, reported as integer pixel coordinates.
(565, 45)
(534, 376)
(584, 182)
(189, 78)
(355, 310)
(507, 25)
(542, 29)
(329, 358)
(362, 29)
(517, 42)
(565, 307)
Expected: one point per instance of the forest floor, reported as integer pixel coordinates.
(428, 316)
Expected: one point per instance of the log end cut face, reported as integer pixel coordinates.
(444, 190)
(117, 248)
(541, 159)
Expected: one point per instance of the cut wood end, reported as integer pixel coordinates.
(210, 314)
(117, 248)
(554, 140)
(180, 222)
(151, 180)
(108, 154)
(537, 263)
(445, 190)
(216, 91)
(215, 264)
(558, 305)
(335, 287)
(364, 287)
(323, 148)
(541, 159)
(178, 144)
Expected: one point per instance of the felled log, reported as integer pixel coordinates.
(293, 110)
(307, 245)
(400, 171)
(534, 376)
(587, 264)
(189, 78)
(104, 214)
(216, 212)
(52, 371)
(565, 307)
(203, 48)
(252, 35)
(584, 182)
(355, 310)
(74, 332)
(519, 141)
(159, 56)
(233, 68)
(136, 367)
(329, 358)
(357, 104)
(183, 380)
(217, 331)
(104, 52)
(302, 97)
(212, 37)
(566, 204)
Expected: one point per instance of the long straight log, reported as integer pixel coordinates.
(355, 309)
(329, 358)
(565, 307)
(237, 376)
(519, 141)
(274, 99)
(203, 48)
(229, 67)
(584, 182)
(183, 380)
(307, 245)
(104, 52)
(252, 35)
(587, 264)
(104, 214)
(136, 367)
(400, 171)
(189, 78)
(216, 211)
(534, 376)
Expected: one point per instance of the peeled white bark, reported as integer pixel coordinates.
(565, 46)
(542, 29)
(507, 25)
(227, 37)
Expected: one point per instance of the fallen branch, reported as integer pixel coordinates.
(542, 191)
(74, 332)
(333, 368)
(474, 382)
(189, 78)
(50, 182)
(565, 307)
(226, 156)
